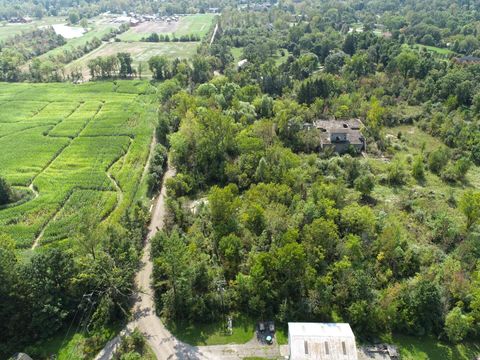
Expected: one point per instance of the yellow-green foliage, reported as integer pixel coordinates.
(82, 147)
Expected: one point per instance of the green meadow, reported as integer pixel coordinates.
(197, 24)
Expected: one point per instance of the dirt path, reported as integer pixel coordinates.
(213, 35)
(34, 191)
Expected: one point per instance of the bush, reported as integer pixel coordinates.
(157, 167)
(456, 171)
(365, 184)
(6, 193)
(437, 160)
(180, 185)
(396, 173)
(457, 325)
(418, 169)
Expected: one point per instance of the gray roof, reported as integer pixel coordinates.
(351, 127)
(20, 356)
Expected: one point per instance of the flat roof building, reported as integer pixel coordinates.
(321, 341)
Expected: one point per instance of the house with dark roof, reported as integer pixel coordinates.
(341, 135)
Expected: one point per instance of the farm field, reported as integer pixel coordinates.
(140, 51)
(198, 24)
(79, 150)
(8, 30)
(97, 29)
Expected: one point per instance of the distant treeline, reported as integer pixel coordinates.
(90, 8)
(154, 37)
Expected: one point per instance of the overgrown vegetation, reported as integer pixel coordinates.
(261, 224)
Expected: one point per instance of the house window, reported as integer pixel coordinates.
(327, 351)
(305, 345)
(344, 348)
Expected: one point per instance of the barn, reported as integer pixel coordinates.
(321, 341)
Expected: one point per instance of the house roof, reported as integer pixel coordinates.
(350, 127)
(21, 356)
(320, 330)
(338, 125)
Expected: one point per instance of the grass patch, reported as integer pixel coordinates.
(281, 335)
(71, 347)
(434, 49)
(427, 348)
(214, 334)
(237, 53)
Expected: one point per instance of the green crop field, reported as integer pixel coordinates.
(198, 24)
(79, 151)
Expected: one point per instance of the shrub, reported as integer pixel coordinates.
(6, 193)
(397, 174)
(418, 169)
(437, 160)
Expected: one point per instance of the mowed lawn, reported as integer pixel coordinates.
(79, 150)
(140, 51)
(198, 24)
(426, 348)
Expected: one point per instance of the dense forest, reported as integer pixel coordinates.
(294, 235)
(261, 222)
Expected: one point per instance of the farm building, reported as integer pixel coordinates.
(322, 341)
(341, 135)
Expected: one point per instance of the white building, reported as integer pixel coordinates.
(321, 341)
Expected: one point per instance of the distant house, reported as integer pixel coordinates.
(20, 20)
(467, 60)
(341, 135)
(134, 22)
(323, 341)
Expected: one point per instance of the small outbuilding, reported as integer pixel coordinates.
(321, 341)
